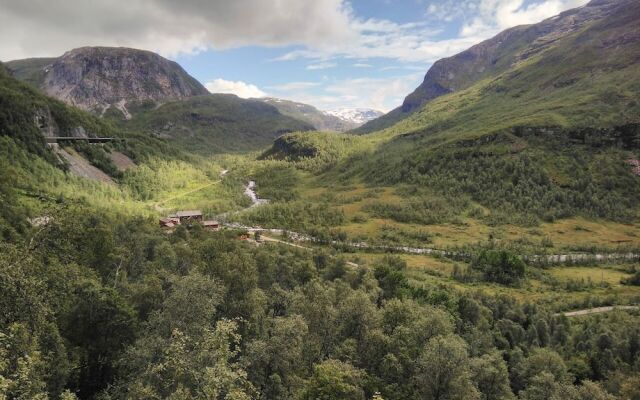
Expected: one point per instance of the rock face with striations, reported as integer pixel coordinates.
(96, 78)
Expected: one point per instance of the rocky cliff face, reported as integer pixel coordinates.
(96, 78)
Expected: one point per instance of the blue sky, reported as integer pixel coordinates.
(328, 53)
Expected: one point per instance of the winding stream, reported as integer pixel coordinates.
(250, 191)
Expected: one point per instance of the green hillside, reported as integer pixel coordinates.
(547, 138)
(215, 123)
(527, 63)
(31, 70)
(481, 242)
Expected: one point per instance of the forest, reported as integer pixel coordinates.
(97, 305)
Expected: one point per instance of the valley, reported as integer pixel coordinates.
(480, 241)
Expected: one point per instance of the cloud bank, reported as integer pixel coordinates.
(239, 88)
(323, 28)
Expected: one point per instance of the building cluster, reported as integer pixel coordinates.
(190, 217)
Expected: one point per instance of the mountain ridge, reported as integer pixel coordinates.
(496, 55)
(98, 78)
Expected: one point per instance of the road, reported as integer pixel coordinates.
(597, 310)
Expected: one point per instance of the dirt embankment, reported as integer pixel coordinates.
(121, 161)
(80, 166)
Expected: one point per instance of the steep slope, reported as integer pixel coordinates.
(97, 78)
(30, 70)
(321, 121)
(551, 136)
(143, 92)
(27, 117)
(216, 123)
(504, 52)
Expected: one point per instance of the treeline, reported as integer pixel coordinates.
(106, 307)
(522, 183)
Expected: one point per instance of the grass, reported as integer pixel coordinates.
(424, 269)
(609, 274)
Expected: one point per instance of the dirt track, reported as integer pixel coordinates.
(597, 310)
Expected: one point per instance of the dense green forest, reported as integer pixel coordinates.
(482, 245)
(95, 305)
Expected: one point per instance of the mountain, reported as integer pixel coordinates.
(215, 123)
(521, 45)
(98, 78)
(357, 116)
(321, 121)
(539, 123)
(143, 92)
(28, 118)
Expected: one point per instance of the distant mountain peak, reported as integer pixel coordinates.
(357, 116)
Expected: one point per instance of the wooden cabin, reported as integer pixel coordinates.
(190, 216)
(211, 225)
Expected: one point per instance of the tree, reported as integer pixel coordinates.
(544, 387)
(334, 380)
(273, 360)
(390, 273)
(545, 360)
(186, 367)
(443, 370)
(630, 389)
(491, 376)
(500, 266)
(22, 369)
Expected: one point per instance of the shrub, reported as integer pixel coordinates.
(500, 266)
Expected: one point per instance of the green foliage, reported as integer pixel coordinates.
(278, 182)
(99, 156)
(390, 274)
(443, 370)
(633, 279)
(312, 151)
(215, 123)
(500, 266)
(295, 214)
(424, 210)
(100, 305)
(335, 380)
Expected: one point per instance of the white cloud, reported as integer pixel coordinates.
(239, 88)
(362, 65)
(48, 28)
(323, 29)
(293, 86)
(379, 93)
(322, 65)
(488, 17)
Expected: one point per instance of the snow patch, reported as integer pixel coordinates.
(355, 115)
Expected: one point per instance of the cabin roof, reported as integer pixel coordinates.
(189, 213)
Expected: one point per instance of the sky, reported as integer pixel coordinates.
(328, 53)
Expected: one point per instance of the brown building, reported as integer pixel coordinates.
(190, 216)
(211, 225)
